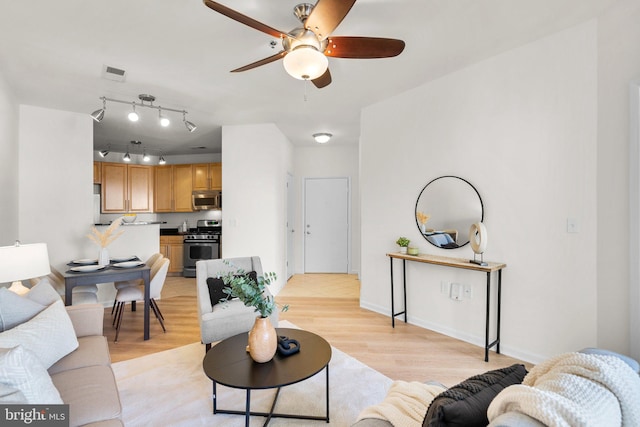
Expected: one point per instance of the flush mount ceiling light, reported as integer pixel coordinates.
(147, 102)
(98, 115)
(322, 137)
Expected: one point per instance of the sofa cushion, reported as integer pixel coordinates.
(21, 369)
(466, 404)
(49, 335)
(92, 351)
(91, 393)
(216, 287)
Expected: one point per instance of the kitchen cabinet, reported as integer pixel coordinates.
(173, 188)
(97, 172)
(172, 247)
(207, 176)
(126, 188)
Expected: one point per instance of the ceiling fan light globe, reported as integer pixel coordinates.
(305, 63)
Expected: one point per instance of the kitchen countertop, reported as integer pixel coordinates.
(136, 223)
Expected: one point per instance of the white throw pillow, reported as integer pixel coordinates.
(49, 335)
(43, 292)
(16, 309)
(21, 369)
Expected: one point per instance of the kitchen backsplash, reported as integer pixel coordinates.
(171, 219)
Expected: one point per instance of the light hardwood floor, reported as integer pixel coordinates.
(328, 305)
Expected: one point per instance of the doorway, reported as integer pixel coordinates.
(326, 225)
(291, 208)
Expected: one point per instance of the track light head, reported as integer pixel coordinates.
(162, 161)
(103, 153)
(127, 157)
(98, 115)
(164, 122)
(133, 116)
(145, 156)
(190, 126)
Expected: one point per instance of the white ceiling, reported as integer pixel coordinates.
(52, 54)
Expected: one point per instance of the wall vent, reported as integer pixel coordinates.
(112, 73)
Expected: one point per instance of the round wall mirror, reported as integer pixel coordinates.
(445, 210)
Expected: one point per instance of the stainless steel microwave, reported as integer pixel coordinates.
(206, 200)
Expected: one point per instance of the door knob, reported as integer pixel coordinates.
(308, 232)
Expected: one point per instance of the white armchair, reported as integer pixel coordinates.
(220, 321)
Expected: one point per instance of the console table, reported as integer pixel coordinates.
(454, 263)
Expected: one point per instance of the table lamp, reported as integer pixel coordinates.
(22, 262)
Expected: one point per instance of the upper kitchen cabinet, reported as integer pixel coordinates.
(97, 175)
(207, 176)
(173, 188)
(126, 188)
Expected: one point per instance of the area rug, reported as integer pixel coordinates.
(170, 389)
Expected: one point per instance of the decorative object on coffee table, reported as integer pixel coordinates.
(263, 340)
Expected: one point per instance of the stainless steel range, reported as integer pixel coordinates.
(203, 243)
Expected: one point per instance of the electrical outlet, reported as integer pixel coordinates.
(444, 287)
(467, 291)
(456, 292)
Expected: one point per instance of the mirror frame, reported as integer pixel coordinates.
(415, 214)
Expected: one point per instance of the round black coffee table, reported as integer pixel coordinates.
(229, 364)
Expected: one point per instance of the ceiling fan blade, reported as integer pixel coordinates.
(264, 61)
(243, 19)
(363, 47)
(327, 15)
(323, 80)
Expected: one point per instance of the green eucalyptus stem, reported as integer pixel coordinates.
(241, 285)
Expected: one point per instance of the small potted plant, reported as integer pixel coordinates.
(403, 242)
(251, 290)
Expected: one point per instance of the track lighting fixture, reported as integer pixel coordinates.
(103, 153)
(127, 157)
(190, 126)
(162, 161)
(98, 115)
(133, 116)
(164, 122)
(145, 101)
(145, 156)
(322, 137)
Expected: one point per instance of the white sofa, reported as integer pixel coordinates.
(58, 356)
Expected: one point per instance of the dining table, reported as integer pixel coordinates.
(80, 274)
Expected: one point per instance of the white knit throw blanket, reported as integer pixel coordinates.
(575, 389)
(405, 405)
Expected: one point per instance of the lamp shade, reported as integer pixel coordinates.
(305, 62)
(21, 262)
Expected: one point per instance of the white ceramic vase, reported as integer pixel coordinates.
(103, 257)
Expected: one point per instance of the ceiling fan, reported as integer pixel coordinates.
(305, 49)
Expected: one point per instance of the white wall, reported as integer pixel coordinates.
(618, 65)
(254, 213)
(522, 128)
(326, 161)
(55, 175)
(8, 166)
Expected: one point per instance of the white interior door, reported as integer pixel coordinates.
(290, 224)
(326, 225)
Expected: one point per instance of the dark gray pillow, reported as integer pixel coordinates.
(216, 286)
(466, 404)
